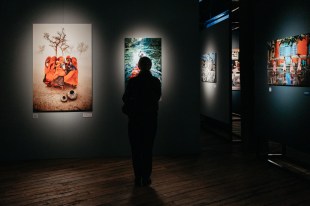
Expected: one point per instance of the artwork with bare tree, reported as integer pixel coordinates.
(67, 84)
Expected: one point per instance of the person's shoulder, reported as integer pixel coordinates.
(130, 82)
(132, 79)
(155, 80)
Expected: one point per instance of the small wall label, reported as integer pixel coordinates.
(87, 114)
(307, 93)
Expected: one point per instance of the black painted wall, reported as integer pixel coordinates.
(65, 135)
(282, 114)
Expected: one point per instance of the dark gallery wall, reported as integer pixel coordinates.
(283, 113)
(215, 97)
(69, 134)
(236, 102)
(235, 39)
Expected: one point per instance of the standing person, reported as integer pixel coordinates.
(141, 105)
(299, 63)
(58, 79)
(72, 73)
(284, 65)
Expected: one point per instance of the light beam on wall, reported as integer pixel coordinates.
(217, 19)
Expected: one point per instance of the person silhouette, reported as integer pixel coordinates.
(141, 99)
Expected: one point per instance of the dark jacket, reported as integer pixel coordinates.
(142, 95)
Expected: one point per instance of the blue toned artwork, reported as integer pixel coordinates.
(135, 48)
(208, 67)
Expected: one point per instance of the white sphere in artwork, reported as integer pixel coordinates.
(63, 98)
(72, 95)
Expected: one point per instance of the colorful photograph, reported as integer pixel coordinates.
(135, 48)
(208, 67)
(288, 61)
(235, 75)
(62, 67)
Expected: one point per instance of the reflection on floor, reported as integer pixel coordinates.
(236, 127)
(289, 158)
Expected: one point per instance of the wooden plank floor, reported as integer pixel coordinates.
(221, 175)
(236, 127)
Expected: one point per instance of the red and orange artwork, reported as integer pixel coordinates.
(62, 67)
(288, 62)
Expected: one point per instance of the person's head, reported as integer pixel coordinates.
(145, 63)
(47, 60)
(74, 61)
(68, 58)
(60, 59)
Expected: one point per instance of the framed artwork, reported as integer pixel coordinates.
(235, 73)
(235, 54)
(135, 48)
(288, 61)
(62, 67)
(208, 67)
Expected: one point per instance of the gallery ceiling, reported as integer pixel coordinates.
(211, 8)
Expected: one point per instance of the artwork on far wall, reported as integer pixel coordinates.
(208, 67)
(62, 67)
(235, 75)
(135, 48)
(289, 60)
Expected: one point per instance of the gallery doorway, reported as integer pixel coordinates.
(235, 74)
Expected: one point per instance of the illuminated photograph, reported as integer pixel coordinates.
(208, 67)
(135, 48)
(62, 67)
(288, 61)
(235, 73)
